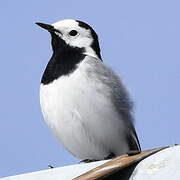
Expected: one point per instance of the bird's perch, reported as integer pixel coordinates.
(155, 164)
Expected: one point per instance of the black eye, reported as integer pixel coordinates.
(73, 33)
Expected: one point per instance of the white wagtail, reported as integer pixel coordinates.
(83, 101)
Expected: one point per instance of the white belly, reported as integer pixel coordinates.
(82, 117)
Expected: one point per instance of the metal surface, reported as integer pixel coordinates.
(60, 173)
(163, 165)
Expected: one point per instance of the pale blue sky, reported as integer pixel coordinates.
(139, 39)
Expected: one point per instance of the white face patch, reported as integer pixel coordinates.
(83, 38)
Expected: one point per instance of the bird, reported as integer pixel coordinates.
(83, 101)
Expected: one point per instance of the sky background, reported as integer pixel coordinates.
(140, 40)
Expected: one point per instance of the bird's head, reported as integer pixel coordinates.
(73, 33)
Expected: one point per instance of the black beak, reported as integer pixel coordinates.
(48, 27)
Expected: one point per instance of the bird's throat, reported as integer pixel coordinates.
(63, 61)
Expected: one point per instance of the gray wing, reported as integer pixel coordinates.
(120, 98)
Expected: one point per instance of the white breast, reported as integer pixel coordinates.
(82, 116)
